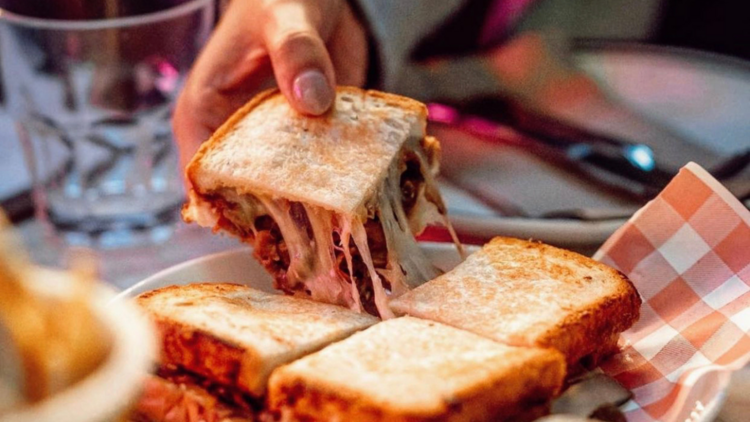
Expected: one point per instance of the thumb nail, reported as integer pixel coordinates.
(312, 92)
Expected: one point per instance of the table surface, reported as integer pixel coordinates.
(124, 267)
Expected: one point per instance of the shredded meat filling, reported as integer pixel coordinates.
(377, 244)
(264, 234)
(178, 396)
(226, 394)
(272, 252)
(411, 182)
(270, 249)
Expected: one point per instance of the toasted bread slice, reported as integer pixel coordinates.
(330, 203)
(335, 161)
(525, 293)
(236, 335)
(407, 369)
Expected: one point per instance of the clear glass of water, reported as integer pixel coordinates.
(91, 85)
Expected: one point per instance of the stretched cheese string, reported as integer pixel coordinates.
(432, 191)
(399, 238)
(326, 277)
(297, 242)
(360, 239)
(312, 262)
(345, 234)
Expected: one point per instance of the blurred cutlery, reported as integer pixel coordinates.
(631, 168)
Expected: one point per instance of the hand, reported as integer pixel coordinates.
(308, 45)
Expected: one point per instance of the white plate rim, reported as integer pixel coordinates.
(244, 253)
(106, 393)
(712, 408)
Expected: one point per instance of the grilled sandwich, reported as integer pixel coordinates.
(530, 294)
(407, 369)
(331, 204)
(220, 343)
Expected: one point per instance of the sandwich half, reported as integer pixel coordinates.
(221, 341)
(331, 204)
(407, 369)
(525, 293)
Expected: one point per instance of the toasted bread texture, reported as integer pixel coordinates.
(335, 161)
(407, 369)
(526, 293)
(236, 335)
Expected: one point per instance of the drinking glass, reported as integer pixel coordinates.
(90, 85)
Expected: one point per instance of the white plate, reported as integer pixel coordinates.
(239, 266)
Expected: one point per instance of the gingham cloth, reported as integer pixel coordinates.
(688, 254)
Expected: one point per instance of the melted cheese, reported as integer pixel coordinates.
(436, 207)
(360, 239)
(403, 250)
(345, 234)
(326, 282)
(313, 262)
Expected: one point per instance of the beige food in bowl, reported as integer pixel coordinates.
(68, 352)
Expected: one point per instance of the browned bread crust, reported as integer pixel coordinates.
(309, 403)
(587, 332)
(200, 352)
(236, 336)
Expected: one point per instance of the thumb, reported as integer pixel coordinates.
(301, 63)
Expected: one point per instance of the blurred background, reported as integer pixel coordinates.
(675, 73)
(558, 119)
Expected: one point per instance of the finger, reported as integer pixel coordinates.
(232, 67)
(234, 51)
(303, 69)
(349, 50)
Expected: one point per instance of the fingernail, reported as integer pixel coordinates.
(312, 91)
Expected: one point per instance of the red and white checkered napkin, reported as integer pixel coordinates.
(688, 254)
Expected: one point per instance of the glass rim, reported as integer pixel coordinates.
(97, 24)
